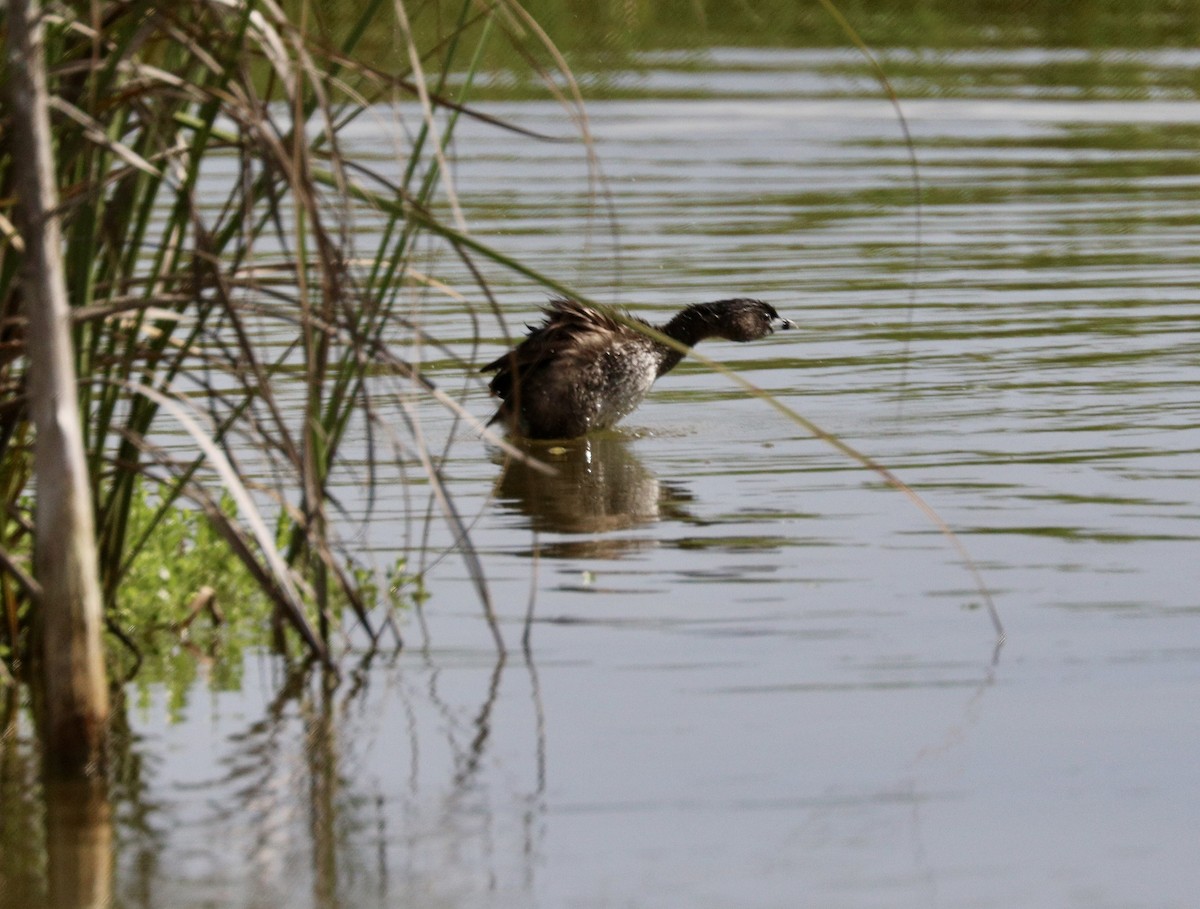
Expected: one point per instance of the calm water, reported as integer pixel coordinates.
(758, 677)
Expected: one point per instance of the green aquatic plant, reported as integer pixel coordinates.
(184, 605)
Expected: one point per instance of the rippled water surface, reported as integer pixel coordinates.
(758, 676)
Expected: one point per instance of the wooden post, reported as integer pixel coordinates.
(75, 703)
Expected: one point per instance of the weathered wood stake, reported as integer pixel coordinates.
(74, 715)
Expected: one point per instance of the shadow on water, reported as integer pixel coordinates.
(599, 486)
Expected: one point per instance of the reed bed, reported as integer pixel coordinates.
(211, 213)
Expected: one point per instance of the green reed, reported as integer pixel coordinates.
(240, 308)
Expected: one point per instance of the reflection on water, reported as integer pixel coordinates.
(420, 781)
(79, 843)
(598, 486)
(306, 802)
(58, 837)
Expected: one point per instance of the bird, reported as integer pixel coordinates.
(583, 369)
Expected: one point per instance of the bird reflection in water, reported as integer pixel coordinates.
(599, 486)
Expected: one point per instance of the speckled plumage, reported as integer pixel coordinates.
(582, 370)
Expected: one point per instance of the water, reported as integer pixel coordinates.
(758, 676)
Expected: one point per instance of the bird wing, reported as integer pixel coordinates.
(570, 330)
